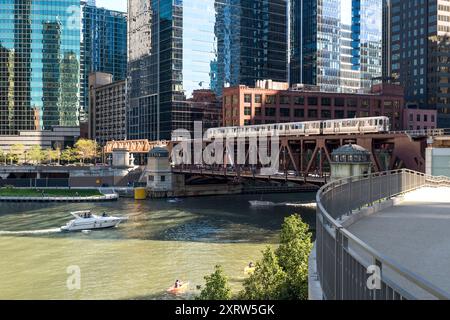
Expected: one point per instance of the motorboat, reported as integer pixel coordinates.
(86, 220)
(262, 204)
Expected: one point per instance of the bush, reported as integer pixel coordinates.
(216, 287)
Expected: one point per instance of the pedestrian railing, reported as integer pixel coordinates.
(346, 265)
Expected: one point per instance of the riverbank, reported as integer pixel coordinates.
(54, 195)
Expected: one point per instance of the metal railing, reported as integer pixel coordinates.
(343, 259)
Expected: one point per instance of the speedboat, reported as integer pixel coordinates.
(85, 220)
(262, 204)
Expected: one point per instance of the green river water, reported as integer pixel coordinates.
(143, 257)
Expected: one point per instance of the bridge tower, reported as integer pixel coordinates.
(350, 160)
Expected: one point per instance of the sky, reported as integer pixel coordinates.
(119, 5)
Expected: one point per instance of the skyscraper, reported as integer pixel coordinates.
(420, 53)
(336, 44)
(37, 38)
(179, 47)
(103, 45)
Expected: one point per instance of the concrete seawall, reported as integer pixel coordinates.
(108, 197)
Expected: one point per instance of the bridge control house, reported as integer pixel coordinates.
(274, 102)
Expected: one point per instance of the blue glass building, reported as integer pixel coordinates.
(103, 46)
(180, 47)
(336, 44)
(39, 64)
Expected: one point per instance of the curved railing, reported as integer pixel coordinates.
(343, 260)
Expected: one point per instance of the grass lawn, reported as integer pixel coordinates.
(12, 192)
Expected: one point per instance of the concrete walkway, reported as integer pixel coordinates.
(416, 234)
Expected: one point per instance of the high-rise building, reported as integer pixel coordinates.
(39, 64)
(103, 45)
(336, 44)
(420, 53)
(107, 111)
(179, 47)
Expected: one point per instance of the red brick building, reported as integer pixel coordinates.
(419, 119)
(243, 105)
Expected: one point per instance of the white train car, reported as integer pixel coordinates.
(310, 128)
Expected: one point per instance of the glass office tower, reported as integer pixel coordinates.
(336, 44)
(39, 64)
(179, 48)
(103, 45)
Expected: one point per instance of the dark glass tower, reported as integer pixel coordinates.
(37, 38)
(420, 53)
(103, 46)
(180, 47)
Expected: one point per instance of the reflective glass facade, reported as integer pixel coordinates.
(103, 46)
(39, 64)
(336, 44)
(178, 48)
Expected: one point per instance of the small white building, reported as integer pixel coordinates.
(159, 171)
(350, 160)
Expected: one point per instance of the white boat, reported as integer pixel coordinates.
(262, 204)
(85, 220)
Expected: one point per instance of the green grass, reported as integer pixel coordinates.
(13, 192)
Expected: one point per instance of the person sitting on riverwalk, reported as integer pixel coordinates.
(251, 265)
(177, 284)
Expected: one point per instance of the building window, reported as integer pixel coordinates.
(411, 117)
(418, 117)
(339, 114)
(270, 112)
(432, 118)
(247, 122)
(247, 111)
(258, 112)
(163, 178)
(326, 114)
(339, 102)
(326, 102)
(312, 101)
(352, 103)
(270, 99)
(425, 118)
(300, 101)
(351, 114)
(258, 98)
(248, 98)
(285, 112)
(284, 100)
(299, 113)
(312, 113)
(365, 103)
(151, 178)
(235, 100)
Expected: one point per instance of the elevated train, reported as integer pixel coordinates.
(310, 128)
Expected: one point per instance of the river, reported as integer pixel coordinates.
(141, 258)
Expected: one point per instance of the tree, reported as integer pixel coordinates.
(35, 154)
(2, 156)
(69, 155)
(87, 149)
(267, 282)
(293, 254)
(216, 287)
(16, 152)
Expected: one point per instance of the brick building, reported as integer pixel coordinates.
(265, 103)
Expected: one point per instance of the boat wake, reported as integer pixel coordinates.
(257, 204)
(30, 232)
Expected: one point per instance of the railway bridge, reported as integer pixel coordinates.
(306, 159)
